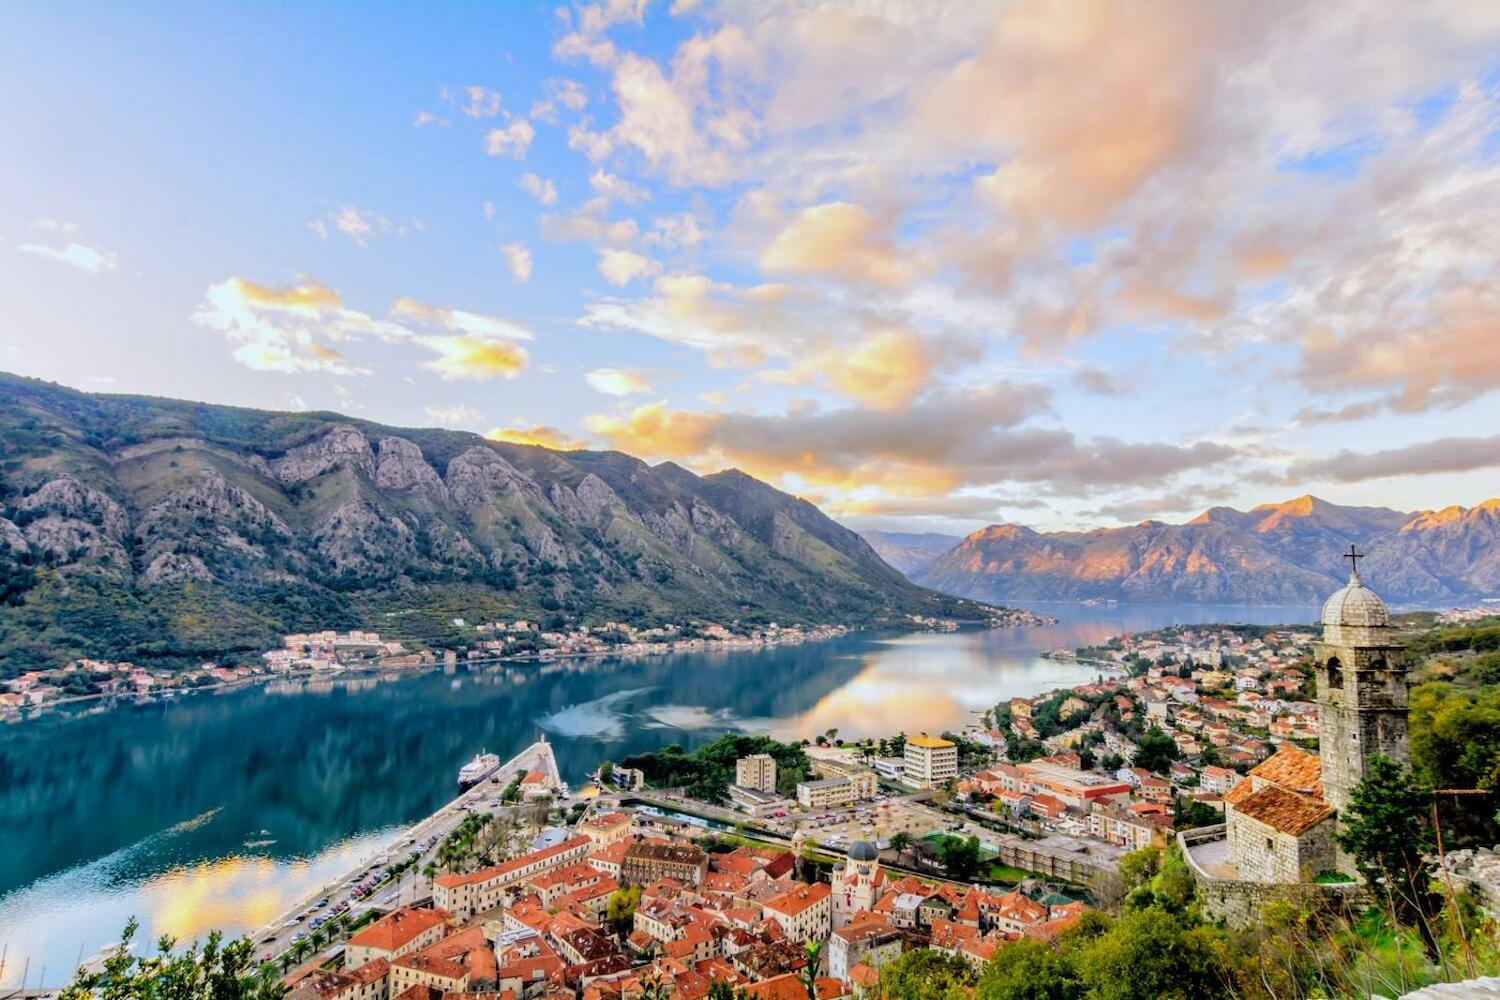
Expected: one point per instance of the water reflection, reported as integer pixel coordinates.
(217, 809)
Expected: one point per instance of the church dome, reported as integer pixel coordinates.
(862, 850)
(1356, 605)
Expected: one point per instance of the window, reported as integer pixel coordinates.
(1270, 844)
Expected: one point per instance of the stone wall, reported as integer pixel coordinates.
(1238, 902)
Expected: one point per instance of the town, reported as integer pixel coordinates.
(791, 870)
(327, 651)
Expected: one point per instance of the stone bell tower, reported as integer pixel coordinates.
(1361, 678)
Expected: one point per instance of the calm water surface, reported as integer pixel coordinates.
(221, 809)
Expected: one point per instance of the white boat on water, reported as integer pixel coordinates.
(477, 769)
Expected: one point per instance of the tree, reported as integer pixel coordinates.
(1386, 830)
(1150, 954)
(214, 970)
(960, 856)
(1140, 866)
(924, 974)
(1157, 750)
(619, 912)
(814, 965)
(1029, 970)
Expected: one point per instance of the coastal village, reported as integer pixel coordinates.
(329, 651)
(806, 883)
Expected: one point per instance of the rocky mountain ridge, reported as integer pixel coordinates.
(1277, 553)
(139, 527)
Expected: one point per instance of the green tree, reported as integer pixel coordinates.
(814, 956)
(1152, 955)
(1029, 970)
(619, 912)
(1386, 830)
(924, 974)
(960, 856)
(213, 971)
(1157, 750)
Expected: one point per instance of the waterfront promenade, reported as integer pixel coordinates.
(422, 838)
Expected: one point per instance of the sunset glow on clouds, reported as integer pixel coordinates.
(931, 266)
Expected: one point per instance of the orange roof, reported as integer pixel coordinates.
(1294, 769)
(863, 975)
(1284, 811)
(790, 987)
(534, 778)
(799, 899)
(396, 929)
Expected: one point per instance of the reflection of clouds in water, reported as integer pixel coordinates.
(691, 717)
(83, 908)
(599, 719)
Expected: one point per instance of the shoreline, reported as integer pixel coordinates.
(819, 633)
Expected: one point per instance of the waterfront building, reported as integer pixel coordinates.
(605, 828)
(757, 772)
(395, 934)
(645, 863)
(467, 894)
(842, 790)
(930, 761)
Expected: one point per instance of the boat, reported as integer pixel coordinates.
(481, 767)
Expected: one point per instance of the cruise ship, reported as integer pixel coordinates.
(476, 770)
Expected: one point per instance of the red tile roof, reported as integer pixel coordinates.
(397, 928)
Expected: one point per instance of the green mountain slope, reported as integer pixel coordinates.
(160, 529)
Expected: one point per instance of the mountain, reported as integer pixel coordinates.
(1282, 553)
(145, 528)
(910, 552)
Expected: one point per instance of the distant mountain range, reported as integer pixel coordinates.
(1280, 553)
(144, 528)
(910, 552)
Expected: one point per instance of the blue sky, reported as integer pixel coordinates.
(930, 266)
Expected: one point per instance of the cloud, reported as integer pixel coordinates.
(621, 267)
(899, 452)
(474, 357)
(513, 140)
(85, 258)
(518, 259)
(481, 347)
(617, 381)
(540, 435)
(539, 188)
(426, 118)
(616, 188)
(732, 325)
(1449, 454)
(289, 328)
(482, 102)
(589, 225)
(454, 415)
(360, 225)
(843, 240)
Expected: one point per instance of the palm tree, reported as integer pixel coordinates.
(810, 972)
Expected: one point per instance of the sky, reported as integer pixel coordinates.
(932, 266)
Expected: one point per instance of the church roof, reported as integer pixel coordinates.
(1292, 768)
(862, 850)
(1284, 811)
(1356, 605)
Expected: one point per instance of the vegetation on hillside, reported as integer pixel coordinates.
(707, 772)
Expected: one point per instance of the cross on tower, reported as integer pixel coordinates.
(1354, 556)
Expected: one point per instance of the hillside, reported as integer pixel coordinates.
(1284, 553)
(910, 552)
(161, 529)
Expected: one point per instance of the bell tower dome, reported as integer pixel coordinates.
(1361, 680)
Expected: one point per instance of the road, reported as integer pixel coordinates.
(283, 933)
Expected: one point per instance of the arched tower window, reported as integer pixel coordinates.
(1335, 673)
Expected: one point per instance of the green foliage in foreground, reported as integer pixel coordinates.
(212, 971)
(707, 772)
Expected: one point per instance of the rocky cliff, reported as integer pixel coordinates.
(1283, 553)
(146, 527)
